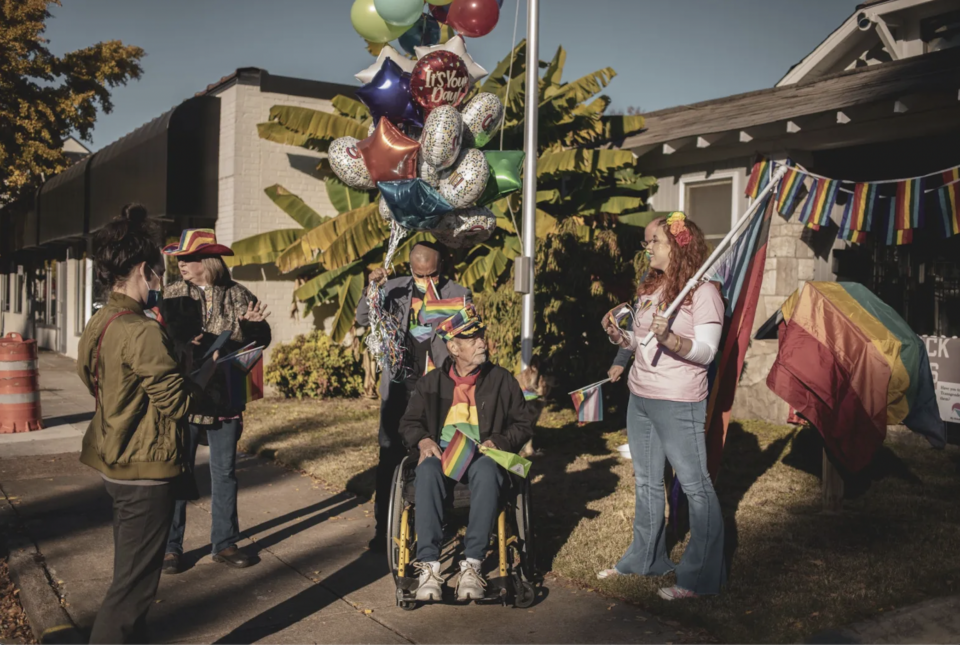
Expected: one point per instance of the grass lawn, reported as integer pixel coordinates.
(793, 571)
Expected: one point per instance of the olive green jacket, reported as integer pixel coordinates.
(136, 431)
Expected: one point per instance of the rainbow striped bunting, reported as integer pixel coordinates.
(819, 203)
(457, 456)
(588, 403)
(895, 235)
(790, 187)
(909, 205)
(759, 178)
(949, 199)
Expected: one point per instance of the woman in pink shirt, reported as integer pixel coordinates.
(665, 417)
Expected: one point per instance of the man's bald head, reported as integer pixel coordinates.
(425, 260)
(651, 228)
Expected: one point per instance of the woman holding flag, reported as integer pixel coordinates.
(667, 409)
(205, 305)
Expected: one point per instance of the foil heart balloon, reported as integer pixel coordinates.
(413, 204)
(389, 154)
(465, 227)
(439, 78)
(482, 118)
(467, 181)
(441, 137)
(347, 163)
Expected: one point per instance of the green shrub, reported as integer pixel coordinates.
(312, 365)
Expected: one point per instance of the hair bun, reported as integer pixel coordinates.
(135, 214)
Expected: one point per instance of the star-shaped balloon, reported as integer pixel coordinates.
(388, 94)
(505, 177)
(406, 65)
(414, 204)
(389, 154)
(457, 46)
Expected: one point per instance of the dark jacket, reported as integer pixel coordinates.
(182, 311)
(501, 409)
(398, 299)
(135, 432)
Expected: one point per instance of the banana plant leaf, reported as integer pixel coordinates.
(321, 237)
(296, 256)
(640, 220)
(351, 108)
(273, 131)
(583, 161)
(350, 293)
(326, 285)
(344, 198)
(295, 207)
(322, 126)
(366, 234)
(263, 248)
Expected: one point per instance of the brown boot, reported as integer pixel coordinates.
(171, 564)
(233, 557)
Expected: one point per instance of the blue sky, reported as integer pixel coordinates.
(665, 52)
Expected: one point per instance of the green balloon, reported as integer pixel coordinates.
(371, 26)
(505, 177)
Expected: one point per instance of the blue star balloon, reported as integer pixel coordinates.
(414, 204)
(388, 94)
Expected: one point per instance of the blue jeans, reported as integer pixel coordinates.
(225, 531)
(673, 430)
(484, 478)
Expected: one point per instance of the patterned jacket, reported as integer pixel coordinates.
(186, 314)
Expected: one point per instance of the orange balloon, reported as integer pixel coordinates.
(389, 154)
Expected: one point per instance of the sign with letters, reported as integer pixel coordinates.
(944, 356)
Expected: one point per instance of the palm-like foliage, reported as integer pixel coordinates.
(579, 178)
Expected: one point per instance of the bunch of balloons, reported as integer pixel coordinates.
(423, 149)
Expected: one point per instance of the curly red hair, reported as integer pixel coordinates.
(684, 262)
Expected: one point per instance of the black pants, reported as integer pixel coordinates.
(141, 522)
(392, 450)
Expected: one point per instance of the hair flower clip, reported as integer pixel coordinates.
(678, 229)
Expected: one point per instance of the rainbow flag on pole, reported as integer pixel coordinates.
(949, 200)
(436, 309)
(790, 187)
(588, 402)
(458, 455)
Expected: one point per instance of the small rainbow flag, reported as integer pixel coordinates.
(457, 456)
(909, 204)
(847, 232)
(588, 402)
(864, 199)
(816, 210)
(895, 235)
(436, 309)
(759, 177)
(244, 384)
(949, 198)
(790, 187)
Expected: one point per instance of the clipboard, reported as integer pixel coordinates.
(217, 344)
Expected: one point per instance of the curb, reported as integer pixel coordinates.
(48, 620)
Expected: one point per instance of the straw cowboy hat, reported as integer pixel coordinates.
(197, 241)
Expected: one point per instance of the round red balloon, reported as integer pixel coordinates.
(439, 78)
(473, 18)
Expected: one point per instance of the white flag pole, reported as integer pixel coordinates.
(587, 387)
(721, 248)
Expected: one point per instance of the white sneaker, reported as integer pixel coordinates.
(471, 584)
(430, 582)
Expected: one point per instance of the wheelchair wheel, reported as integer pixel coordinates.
(523, 593)
(395, 517)
(525, 531)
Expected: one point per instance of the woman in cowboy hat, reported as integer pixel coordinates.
(197, 310)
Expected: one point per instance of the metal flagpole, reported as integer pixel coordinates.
(523, 271)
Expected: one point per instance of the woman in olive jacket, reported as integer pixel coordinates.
(134, 440)
(205, 304)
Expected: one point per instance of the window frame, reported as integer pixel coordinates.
(732, 174)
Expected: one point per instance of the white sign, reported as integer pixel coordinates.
(944, 356)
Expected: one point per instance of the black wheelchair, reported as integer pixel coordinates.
(513, 540)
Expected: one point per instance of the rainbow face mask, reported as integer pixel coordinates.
(421, 283)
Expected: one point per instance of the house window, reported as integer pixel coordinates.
(709, 203)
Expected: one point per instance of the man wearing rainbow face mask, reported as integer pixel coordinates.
(418, 302)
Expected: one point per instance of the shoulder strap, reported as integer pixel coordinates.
(96, 358)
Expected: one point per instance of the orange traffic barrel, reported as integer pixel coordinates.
(19, 385)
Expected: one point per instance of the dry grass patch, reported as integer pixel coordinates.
(334, 440)
(793, 572)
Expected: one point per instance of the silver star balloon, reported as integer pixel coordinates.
(387, 52)
(457, 46)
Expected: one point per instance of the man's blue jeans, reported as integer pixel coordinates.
(658, 429)
(484, 478)
(225, 531)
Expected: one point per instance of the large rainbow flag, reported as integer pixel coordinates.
(850, 365)
(433, 310)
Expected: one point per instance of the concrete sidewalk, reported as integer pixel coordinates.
(315, 582)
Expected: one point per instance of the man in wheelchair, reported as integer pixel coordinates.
(485, 403)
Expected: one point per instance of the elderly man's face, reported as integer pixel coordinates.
(469, 353)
